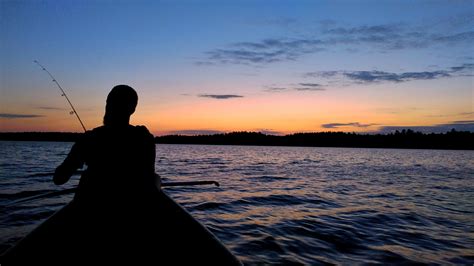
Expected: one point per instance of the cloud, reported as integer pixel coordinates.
(220, 96)
(376, 76)
(460, 20)
(245, 57)
(381, 37)
(49, 108)
(280, 44)
(322, 74)
(468, 114)
(305, 87)
(18, 116)
(384, 37)
(309, 89)
(275, 89)
(263, 52)
(463, 67)
(195, 132)
(441, 128)
(351, 124)
(310, 84)
(463, 37)
(395, 36)
(387, 29)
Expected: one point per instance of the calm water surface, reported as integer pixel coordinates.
(290, 205)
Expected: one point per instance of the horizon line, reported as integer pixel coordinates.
(262, 132)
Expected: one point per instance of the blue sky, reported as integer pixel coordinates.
(282, 66)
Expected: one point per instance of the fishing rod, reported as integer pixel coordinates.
(63, 93)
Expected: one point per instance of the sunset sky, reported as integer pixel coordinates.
(217, 66)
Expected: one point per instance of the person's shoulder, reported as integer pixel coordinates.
(96, 131)
(140, 129)
(88, 136)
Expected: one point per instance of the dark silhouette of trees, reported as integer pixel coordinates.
(407, 138)
(40, 136)
(400, 139)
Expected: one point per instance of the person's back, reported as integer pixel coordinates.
(120, 164)
(120, 157)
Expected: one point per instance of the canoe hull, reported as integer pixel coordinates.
(163, 232)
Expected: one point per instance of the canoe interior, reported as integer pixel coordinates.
(161, 232)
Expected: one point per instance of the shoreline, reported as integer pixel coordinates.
(407, 139)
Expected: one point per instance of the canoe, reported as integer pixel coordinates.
(161, 233)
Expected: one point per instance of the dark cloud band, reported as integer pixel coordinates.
(18, 116)
(351, 124)
(375, 76)
(220, 96)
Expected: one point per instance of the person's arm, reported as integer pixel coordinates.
(150, 155)
(73, 161)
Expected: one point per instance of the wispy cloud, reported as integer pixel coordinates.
(466, 113)
(220, 96)
(395, 36)
(463, 37)
(263, 52)
(275, 89)
(310, 84)
(49, 108)
(18, 116)
(376, 76)
(455, 22)
(300, 87)
(351, 124)
(381, 37)
(464, 67)
(309, 89)
(380, 30)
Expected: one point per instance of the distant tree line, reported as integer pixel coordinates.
(40, 136)
(456, 140)
(399, 139)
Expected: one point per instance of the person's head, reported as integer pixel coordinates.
(121, 103)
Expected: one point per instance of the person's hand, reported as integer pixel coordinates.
(61, 175)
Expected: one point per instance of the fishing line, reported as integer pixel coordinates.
(63, 93)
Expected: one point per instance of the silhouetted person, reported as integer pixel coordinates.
(120, 158)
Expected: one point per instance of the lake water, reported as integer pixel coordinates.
(289, 205)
